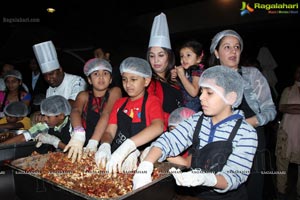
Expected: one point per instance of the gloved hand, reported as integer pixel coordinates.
(142, 175)
(130, 163)
(144, 153)
(90, 148)
(76, 144)
(45, 138)
(115, 163)
(103, 155)
(193, 178)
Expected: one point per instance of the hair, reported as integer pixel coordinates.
(197, 48)
(171, 64)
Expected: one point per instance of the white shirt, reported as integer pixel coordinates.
(69, 88)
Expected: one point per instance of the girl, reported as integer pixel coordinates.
(91, 110)
(191, 55)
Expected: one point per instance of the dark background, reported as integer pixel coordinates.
(123, 28)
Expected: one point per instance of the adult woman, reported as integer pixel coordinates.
(257, 104)
(14, 90)
(162, 60)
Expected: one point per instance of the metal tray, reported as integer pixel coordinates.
(161, 188)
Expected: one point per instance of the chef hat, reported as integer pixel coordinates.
(46, 56)
(215, 41)
(220, 76)
(160, 32)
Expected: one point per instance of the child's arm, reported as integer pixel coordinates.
(17, 139)
(12, 125)
(191, 87)
(114, 94)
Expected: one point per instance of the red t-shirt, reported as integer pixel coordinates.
(153, 109)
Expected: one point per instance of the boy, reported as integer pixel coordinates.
(134, 121)
(55, 130)
(15, 116)
(223, 143)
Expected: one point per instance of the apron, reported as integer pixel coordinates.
(92, 117)
(64, 135)
(126, 128)
(212, 158)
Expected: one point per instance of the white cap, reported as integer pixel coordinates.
(160, 32)
(46, 56)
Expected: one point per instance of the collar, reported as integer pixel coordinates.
(62, 125)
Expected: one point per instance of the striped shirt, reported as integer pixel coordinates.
(239, 163)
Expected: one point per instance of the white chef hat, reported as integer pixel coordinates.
(160, 32)
(46, 56)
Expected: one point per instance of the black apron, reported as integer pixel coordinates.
(126, 128)
(92, 117)
(64, 135)
(212, 158)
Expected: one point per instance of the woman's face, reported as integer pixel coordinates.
(158, 59)
(12, 83)
(229, 52)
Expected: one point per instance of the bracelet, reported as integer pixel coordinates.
(78, 129)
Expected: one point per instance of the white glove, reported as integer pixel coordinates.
(45, 138)
(142, 175)
(193, 178)
(144, 153)
(75, 145)
(103, 155)
(91, 147)
(115, 163)
(130, 163)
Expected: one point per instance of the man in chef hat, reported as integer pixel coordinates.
(60, 83)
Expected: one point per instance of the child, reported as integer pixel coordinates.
(15, 116)
(91, 109)
(223, 143)
(55, 130)
(134, 121)
(191, 55)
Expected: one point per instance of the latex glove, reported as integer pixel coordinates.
(115, 163)
(103, 155)
(193, 178)
(142, 175)
(75, 145)
(90, 148)
(45, 138)
(130, 163)
(144, 153)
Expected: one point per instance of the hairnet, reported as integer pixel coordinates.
(178, 115)
(136, 66)
(226, 78)
(13, 73)
(55, 105)
(215, 41)
(96, 64)
(16, 109)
